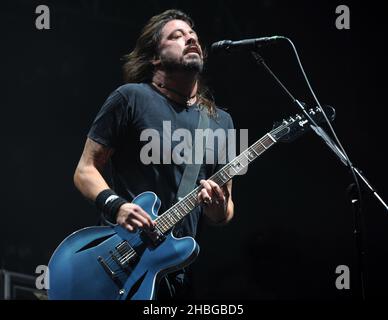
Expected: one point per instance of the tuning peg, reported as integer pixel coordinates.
(285, 121)
(291, 119)
(298, 117)
(311, 111)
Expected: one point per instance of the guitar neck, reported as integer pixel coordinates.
(235, 167)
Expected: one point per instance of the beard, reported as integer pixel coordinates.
(186, 63)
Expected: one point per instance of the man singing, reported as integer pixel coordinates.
(162, 86)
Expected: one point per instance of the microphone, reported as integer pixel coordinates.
(247, 44)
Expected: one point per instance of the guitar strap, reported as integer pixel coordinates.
(187, 184)
(190, 175)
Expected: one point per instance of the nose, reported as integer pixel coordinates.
(191, 40)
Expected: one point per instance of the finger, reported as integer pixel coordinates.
(137, 216)
(142, 222)
(206, 199)
(201, 195)
(216, 190)
(205, 184)
(134, 222)
(129, 227)
(145, 217)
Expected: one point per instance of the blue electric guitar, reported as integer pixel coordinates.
(111, 263)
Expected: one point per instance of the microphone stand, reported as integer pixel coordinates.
(355, 197)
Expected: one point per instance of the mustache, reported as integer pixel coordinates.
(193, 48)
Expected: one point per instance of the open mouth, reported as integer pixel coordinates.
(193, 50)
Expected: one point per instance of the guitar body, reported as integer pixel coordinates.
(110, 263)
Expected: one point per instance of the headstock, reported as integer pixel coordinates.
(293, 127)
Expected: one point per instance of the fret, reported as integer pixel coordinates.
(166, 224)
(244, 162)
(185, 208)
(253, 149)
(161, 226)
(163, 229)
(269, 141)
(262, 143)
(233, 167)
(163, 222)
(176, 219)
(230, 173)
(251, 155)
(166, 221)
(259, 148)
(237, 165)
(180, 210)
(217, 179)
(171, 218)
(174, 212)
(246, 156)
(223, 175)
(272, 138)
(266, 142)
(189, 203)
(194, 196)
(192, 204)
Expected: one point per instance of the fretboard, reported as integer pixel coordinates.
(235, 167)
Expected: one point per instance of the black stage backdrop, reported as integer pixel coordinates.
(293, 220)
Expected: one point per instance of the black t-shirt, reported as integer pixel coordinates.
(130, 110)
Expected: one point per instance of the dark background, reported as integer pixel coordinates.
(293, 221)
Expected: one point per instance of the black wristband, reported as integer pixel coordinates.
(109, 203)
(102, 197)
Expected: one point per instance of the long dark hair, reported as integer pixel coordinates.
(138, 66)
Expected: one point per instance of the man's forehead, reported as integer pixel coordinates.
(175, 25)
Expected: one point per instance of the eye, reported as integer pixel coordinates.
(177, 35)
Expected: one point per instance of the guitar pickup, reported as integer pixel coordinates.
(123, 264)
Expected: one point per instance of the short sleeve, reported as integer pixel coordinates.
(111, 121)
